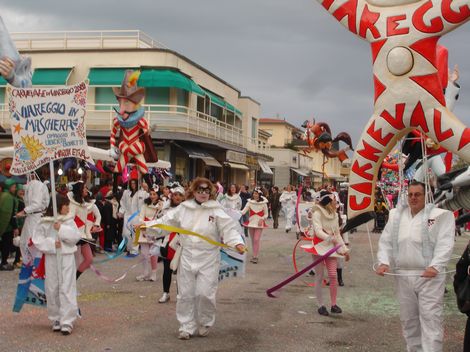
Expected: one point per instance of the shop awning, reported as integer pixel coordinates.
(51, 76)
(336, 177)
(301, 172)
(264, 166)
(154, 78)
(237, 166)
(316, 173)
(197, 153)
(222, 103)
(107, 76)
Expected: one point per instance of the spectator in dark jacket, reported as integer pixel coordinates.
(275, 205)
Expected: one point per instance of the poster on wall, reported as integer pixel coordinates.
(47, 124)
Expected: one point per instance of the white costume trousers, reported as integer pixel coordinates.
(290, 212)
(61, 299)
(197, 287)
(421, 311)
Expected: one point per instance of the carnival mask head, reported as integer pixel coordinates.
(129, 95)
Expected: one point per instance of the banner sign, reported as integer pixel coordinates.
(47, 124)
(232, 264)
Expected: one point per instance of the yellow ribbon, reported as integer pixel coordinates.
(181, 232)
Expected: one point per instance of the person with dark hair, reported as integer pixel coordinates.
(417, 244)
(87, 217)
(167, 252)
(257, 209)
(231, 199)
(109, 220)
(56, 237)
(275, 205)
(132, 201)
(199, 262)
(327, 236)
(152, 207)
(8, 224)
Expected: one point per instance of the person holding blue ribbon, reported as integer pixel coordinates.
(199, 261)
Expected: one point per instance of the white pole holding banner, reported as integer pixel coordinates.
(54, 209)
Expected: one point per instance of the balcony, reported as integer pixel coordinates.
(66, 40)
(170, 119)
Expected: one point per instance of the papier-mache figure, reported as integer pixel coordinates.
(15, 69)
(134, 143)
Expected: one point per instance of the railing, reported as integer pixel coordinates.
(84, 40)
(167, 118)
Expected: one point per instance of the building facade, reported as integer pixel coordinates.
(291, 165)
(199, 122)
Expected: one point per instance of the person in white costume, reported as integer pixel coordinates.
(231, 199)
(198, 269)
(257, 209)
(87, 217)
(288, 201)
(36, 199)
(150, 210)
(132, 201)
(57, 238)
(417, 243)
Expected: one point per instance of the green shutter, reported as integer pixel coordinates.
(105, 95)
(157, 96)
(2, 95)
(153, 78)
(3, 82)
(107, 76)
(51, 76)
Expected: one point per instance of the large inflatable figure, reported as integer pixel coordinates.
(408, 94)
(318, 137)
(134, 143)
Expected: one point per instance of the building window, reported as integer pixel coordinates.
(180, 169)
(2, 95)
(254, 129)
(182, 97)
(216, 111)
(105, 95)
(157, 96)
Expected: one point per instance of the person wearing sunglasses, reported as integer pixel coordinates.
(198, 268)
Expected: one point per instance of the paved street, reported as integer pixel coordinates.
(127, 317)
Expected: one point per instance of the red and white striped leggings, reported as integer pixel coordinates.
(331, 266)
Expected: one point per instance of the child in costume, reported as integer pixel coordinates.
(57, 238)
(148, 212)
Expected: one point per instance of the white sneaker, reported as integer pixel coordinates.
(184, 335)
(164, 298)
(56, 326)
(66, 329)
(153, 276)
(141, 278)
(204, 331)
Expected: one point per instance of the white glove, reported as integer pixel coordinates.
(114, 153)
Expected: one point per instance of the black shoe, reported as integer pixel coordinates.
(311, 273)
(340, 282)
(322, 311)
(336, 309)
(6, 267)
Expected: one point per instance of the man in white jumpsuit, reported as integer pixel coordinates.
(417, 242)
(288, 201)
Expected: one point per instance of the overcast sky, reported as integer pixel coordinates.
(291, 55)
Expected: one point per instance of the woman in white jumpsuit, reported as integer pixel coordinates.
(57, 238)
(198, 269)
(288, 201)
(36, 200)
(132, 201)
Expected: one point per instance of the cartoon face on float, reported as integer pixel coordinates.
(126, 107)
(408, 95)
